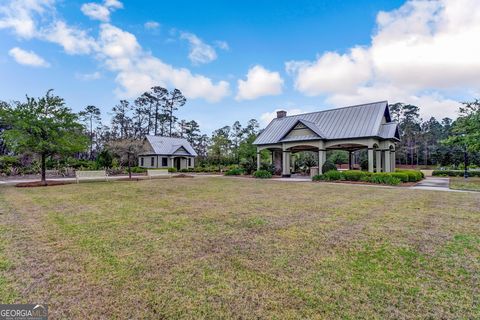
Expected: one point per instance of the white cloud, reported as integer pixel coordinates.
(73, 40)
(88, 76)
(420, 53)
(138, 70)
(101, 12)
(20, 16)
(151, 25)
(260, 82)
(118, 50)
(200, 52)
(331, 72)
(96, 11)
(28, 58)
(266, 117)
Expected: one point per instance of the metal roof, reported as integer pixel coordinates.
(170, 146)
(358, 121)
(389, 130)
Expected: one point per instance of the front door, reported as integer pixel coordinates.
(176, 162)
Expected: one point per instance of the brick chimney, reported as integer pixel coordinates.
(281, 114)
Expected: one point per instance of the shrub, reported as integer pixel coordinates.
(184, 170)
(413, 175)
(353, 175)
(268, 167)
(329, 166)
(385, 178)
(455, 173)
(137, 170)
(391, 180)
(333, 175)
(318, 177)
(249, 166)
(401, 175)
(262, 174)
(234, 172)
(172, 170)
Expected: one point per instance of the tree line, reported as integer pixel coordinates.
(45, 127)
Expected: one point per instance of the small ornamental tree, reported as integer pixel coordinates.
(44, 126)
(127, 150)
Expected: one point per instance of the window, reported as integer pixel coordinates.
(189, 162)
(164, 162)
(141, 161)
(152, 162)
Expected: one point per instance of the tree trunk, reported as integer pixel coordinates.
(156, 120)
(91, 137)
(129, 168)
(43, 169)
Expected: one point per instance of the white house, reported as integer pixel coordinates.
(167, 152)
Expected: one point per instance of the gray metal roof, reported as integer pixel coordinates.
(170, 146)
(389, 130)
(358, 121)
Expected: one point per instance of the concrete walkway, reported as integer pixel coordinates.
(435, 184)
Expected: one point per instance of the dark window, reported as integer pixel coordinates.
(189, 162)
(164, 162)
(141, 161)
(152, 161)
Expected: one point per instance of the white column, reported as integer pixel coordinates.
(259, 159)
(392, 159)
(193, 162)
(170, 162)
(370, 160)
(322, 157)
(378, 165)
(387, 161)
(286, 163)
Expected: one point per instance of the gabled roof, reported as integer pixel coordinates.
(317, 134)
(358, 121)
(389, 131)
(170, 146)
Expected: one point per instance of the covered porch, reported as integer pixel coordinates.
(380, 154)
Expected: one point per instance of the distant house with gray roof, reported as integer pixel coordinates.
(167, 152)
(367, 126)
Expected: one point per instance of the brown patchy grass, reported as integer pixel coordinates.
(460, 183)
(240, 248)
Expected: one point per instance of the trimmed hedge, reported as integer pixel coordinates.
(455, 173)
(262, 174)
(401, 175)
(333, 175)
(390, 178)
(353, 175)
(172, 170)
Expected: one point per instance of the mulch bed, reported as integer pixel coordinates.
(35, 184)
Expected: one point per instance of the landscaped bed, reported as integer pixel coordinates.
(399, 177)
(240, 248)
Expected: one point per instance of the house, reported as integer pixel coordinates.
(367, 126)
(167, 152)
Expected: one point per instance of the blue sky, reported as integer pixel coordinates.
(245, 59)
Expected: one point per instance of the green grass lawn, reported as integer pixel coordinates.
(240, 248)
(460, 183)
